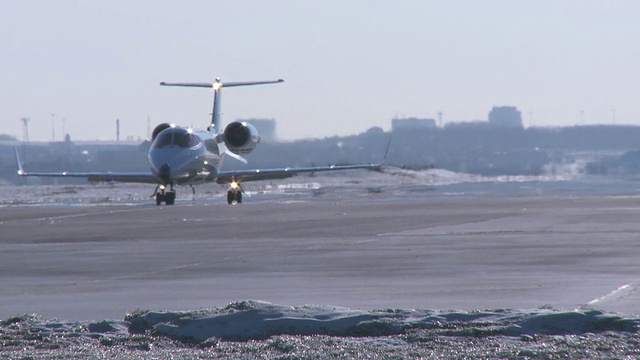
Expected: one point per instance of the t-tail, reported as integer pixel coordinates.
(217, 86)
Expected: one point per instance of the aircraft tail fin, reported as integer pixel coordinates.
(217, 86)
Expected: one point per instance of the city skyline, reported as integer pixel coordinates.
(347, 66)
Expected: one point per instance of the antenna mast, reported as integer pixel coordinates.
(25, 129)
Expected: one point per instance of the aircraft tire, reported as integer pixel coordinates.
(159, 199)
(239, 196)
(170, 198)
(230, 197)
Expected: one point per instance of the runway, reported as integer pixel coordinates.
(371, 251)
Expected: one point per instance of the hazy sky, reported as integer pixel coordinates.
(348, 65)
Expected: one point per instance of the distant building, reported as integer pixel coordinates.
(412, 124)
(266, 128)
(505, 116)
(467, 125)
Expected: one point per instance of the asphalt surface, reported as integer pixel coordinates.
(376, 252)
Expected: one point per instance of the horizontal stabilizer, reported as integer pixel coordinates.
(217, 85)
(225, 84)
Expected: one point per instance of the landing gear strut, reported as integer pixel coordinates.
(169, 197)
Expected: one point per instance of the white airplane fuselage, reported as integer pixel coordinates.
(184, 156)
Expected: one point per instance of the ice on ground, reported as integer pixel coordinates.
(257, 320)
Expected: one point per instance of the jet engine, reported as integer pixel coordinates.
(158, 129)
(241, 138)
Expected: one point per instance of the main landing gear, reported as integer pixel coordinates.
(169, 197)
(234, 193)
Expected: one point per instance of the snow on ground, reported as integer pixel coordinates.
(257, 320)
(258, 330)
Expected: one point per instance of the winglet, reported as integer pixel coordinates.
(386, 152)
(18, 163)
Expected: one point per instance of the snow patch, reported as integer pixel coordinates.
(257, 320)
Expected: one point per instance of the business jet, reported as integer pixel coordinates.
(186, 156)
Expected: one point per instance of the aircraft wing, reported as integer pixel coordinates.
(225, 177)
(145, 177)
(99, 176)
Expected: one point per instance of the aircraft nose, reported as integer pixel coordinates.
(165, 172)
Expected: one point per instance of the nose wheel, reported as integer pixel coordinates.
(234, 193)
(168, 197)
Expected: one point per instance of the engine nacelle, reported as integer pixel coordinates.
(240, 137)
(158, 129)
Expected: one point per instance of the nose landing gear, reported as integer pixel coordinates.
(168, 197)
(234, 193)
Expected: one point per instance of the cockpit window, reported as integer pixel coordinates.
(185, 139)
(176, 136)
(163, 139)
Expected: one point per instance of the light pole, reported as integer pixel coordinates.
(53, 127)
(613, 116)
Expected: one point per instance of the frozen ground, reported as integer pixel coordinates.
(459, 266)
